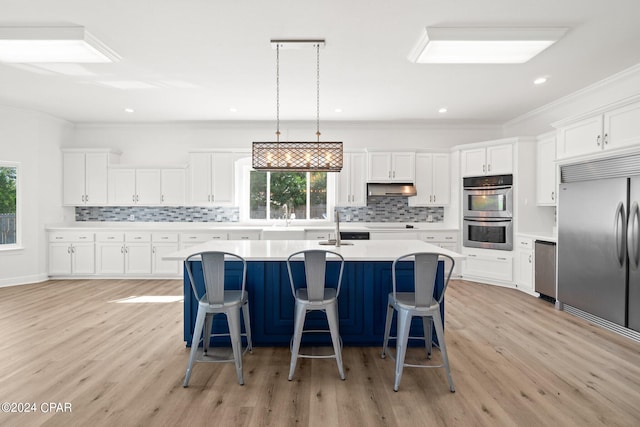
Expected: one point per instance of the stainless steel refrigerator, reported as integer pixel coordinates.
(598, 243)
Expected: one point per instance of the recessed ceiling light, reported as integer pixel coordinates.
(52, 44)
(540, 81)
(338, 110)
(129, 110)
(233, 110)
(442, 110)
(442, 45)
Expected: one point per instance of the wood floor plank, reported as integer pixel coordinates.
(515, 360)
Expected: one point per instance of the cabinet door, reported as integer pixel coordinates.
(622, 126)
(423, 180)
(379, 167)
(500, 159)
(343, 183)
(96, 178)
(148, 188)
(163, 267)
(73, 179)
(546, 172)
(358, 177)
(200, 178)
(582, 137)
(403, 167)
(489, 267)
(173, 187)
(524, 280)
(223, 169)
(473, 162)
(110, 258)
(137, 258)
(59, 259)
(122, 187)
(83, 259)
(441, 180)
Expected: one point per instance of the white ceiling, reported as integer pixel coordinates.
(200, 58)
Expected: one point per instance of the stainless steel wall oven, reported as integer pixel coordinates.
(488, 212)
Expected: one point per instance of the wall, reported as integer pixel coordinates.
(34, 140)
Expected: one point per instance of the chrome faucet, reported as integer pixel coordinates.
(337, 215)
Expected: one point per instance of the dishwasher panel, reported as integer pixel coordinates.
(545, 265)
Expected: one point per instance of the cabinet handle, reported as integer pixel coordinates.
(389, 174)
(244, 238)
(213, 197)
(69, 249)
(86, 198)
(215, 238)
(606, 139)
(448, 238)
(502, 259)
(394, 174)
(133, 198)
(472, 255)
(489, 167)
(530, 259)
(73, 249)
(553, 195)
(598, 141)
(153, 250)
(121, 249)
(434, 198)
(162, 198)
(484, 168)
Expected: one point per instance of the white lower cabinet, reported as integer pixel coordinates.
(195, 238)
(446, 240)
(524, 264)
(71, 254)
(163, 244)
(488, 265)
(123, 253)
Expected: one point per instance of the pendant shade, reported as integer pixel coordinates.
(297, 156)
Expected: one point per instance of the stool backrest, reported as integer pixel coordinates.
(213, 271)
(424, 276)
(315, 269)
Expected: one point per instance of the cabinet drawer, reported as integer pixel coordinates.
(440, 236)
(73, 236)
(244, 235)
(318, 235)
(164, 237)
(137, 237)
(109, 237)
(201, 237)
(524, 243)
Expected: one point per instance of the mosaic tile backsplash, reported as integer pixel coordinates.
(378, 209)
(391, 209)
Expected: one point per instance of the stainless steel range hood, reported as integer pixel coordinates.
(391, 189)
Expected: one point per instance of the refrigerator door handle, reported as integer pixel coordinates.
(618, 227)
(632, 236)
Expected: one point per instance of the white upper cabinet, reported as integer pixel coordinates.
(616, 128)
(489, 160)
(211, 178)
(546, 180)
(391, 167)
(173, 185)
(433, 183)
(351, 182)
(85, 177)
(134, 187)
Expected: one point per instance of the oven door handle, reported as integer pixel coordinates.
(505, 187)
(489, 219)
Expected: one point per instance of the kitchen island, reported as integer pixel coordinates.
(363, 297)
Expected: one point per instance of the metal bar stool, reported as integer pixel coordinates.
(218, 300)
(420, 303)
(316, 297)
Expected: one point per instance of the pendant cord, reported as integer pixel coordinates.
(318, 91)
(278, 92)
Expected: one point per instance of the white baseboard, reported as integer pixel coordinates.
(23, 280)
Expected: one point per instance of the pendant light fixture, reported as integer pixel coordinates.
(299, 155)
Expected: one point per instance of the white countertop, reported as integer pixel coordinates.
(540, 235)
(221, 226)
(279, 250)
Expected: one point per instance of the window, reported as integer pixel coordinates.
(8, 204)
(303, 195)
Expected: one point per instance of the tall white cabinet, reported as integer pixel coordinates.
(85, 176)
(351, 185)
(546, 179)
(211, 178)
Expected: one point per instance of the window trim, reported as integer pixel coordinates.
(18, 244)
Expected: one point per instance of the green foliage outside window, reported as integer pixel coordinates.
(7, 190)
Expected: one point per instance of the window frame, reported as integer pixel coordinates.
(18, 244)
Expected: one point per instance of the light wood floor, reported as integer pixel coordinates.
(515, 361)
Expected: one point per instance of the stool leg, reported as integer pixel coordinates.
(247, 325)
(387, 330)
(300, 314)
(404, 323)
(437, 322)
(206, 334)
(197, 333)
(333, 320)
(233, 317)
(428, 335)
